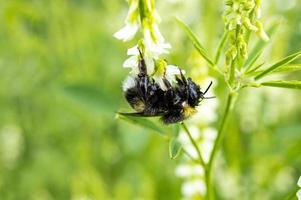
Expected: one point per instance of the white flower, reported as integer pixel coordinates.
(170, 75)
(299, 182)
(132, 61)
(191, 188)
(166, 71)
(155, 42)
(127, 32)
(131, 23)
(188, 170)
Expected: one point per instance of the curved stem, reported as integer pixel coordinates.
(193, 142)
(230, 102)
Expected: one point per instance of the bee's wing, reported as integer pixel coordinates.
(138, 114)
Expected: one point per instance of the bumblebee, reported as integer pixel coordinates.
(173, 104)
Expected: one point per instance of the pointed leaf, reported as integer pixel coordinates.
(195, 41)
(142, 122)
(294, 84)
(175, 148)
(278, 64)
(258, 48)
(221, 46)
(289, 68)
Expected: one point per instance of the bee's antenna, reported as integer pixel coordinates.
(209, 97)
(208, 88)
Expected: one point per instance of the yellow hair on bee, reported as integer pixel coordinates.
(139, 106)
(188, 110)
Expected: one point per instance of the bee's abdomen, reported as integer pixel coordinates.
(135, 99)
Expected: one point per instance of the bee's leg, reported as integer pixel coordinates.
(141, 65)
(183, 77)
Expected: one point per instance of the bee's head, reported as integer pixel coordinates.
(194, 93)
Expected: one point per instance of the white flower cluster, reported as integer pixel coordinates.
(299, 191)
(142, 15)
(199, 127)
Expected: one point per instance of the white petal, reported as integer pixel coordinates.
(160, 82)
(133, 51)
(299, 194)
(172, 69)
(155, 48)
(150, 65)
(127, 32)
(131, 62)
(188, 170)
(299, 182)
(158, 34)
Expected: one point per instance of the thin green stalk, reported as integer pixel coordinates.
(220, 47)
(190, 156)
(232, 72)
(229, 106)
(194, 145)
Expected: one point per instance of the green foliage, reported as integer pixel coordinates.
(175, 148)
(60, 88)
(284, 84)
(278, 64)
(196, 43)
(141, 121)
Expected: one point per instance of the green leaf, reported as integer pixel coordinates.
(175, 148)
(289, 68)
(221, 46)
(278, 64)
(293, 84)
(284, 69)
(258, 47)
(90, 98)
(195, 41)
(142, 122)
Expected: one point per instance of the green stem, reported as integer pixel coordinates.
(232, 72)
(190, 156)
(193, 142)
(229, 106)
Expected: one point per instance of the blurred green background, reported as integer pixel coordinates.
(60, 86)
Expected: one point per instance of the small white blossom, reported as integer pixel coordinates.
(132, 61)
(154, 42)
(191, 188)
(187, 170)
(127, 32)
(131, 23)
(170, 74)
